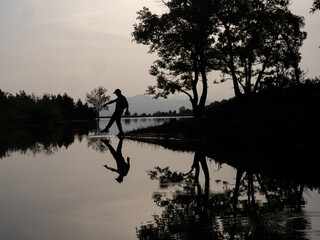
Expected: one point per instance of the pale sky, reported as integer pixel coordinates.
(74, 46)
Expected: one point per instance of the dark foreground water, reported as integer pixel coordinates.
(54, 185)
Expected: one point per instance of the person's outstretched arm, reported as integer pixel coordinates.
(110, 102)
(110, 168)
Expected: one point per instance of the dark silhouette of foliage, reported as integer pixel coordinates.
(182, 112)
(252, 208)
(97, 97)
(182, 38)
(251, 42)
(258, 39)
(274, 126)
(315, 6)
(24, 109)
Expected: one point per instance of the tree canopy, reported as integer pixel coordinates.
(182, 38)
(249, 41)
(26, 109)
(258, 40)
(315, 6)
(97, 97)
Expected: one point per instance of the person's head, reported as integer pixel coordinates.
(119, 179)
(117, 92)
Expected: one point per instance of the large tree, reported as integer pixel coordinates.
(258, 39)
(251, 41)
(183, 38)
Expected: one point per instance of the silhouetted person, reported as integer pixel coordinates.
(122, 166)
(121, 105)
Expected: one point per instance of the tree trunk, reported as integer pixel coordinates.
(204, 94)
(237, 91)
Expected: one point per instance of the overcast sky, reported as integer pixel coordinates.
(74, 46)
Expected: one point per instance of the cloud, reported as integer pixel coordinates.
(102, 16)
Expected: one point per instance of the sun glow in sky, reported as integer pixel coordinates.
(74, 46)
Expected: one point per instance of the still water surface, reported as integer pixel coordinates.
(62, 190)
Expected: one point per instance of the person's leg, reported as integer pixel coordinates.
(119, 147)
(111, 149)
(118, 121)
(111, 121)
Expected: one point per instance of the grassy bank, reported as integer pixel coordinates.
(275, 131)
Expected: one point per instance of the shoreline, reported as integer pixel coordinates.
(283, 162)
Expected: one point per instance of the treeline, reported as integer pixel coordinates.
(182, 112)
(25, 109)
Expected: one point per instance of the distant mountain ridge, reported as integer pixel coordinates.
(145, 104)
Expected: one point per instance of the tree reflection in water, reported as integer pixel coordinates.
(255, 207)
(97, 144)
(37, 140)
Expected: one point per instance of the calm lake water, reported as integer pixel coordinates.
(54, 185)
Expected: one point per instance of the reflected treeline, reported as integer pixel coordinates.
(253, 207)
(297, 162)
(96, 143)
(39, 139)
(157, 120)
(277, 194)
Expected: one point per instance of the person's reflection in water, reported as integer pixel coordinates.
(122, 166)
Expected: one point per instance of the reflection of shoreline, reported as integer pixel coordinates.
(148, 117)
(255, 206)
(38, 139)
(285, 161)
